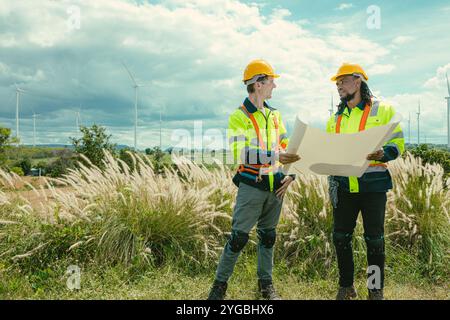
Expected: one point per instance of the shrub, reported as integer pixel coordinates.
(433, 156)
(92, 144)
(60, 166)
(18, 171)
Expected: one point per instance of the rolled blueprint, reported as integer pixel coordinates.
(336, 154)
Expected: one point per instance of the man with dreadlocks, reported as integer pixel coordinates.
(360, 110)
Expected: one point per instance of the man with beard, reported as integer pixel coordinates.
(360, 110)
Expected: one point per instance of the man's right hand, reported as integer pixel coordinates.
(286, 158)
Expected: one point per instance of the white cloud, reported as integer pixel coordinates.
(344, 6)
(381, 69)
(399, 40)
(280, 13)
(336, 27)
(22, 74)
(192, 52)
(437, 81)
(7, 40)
(433, 116)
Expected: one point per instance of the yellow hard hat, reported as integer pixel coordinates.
(258, 67)
(349, 68)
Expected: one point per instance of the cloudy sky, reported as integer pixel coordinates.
(190, 56)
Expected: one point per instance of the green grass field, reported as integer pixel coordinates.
(178, 284)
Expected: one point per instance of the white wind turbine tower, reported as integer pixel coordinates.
(135, 86)
(448, 112)
(34, 129)
(78, 120)
(18, 92)
(418, 125)
(331, 107)
(409, 127)
(160, 129)
(162, 108)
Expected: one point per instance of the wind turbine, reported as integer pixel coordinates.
(34, 129)
(448, 112)
(160, 129)
(18, 92)
(409, 128)
(78, 120)
(418, 125)
(331, 107)
(135, 86)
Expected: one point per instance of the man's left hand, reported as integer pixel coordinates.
(284, 185)
(377, 155)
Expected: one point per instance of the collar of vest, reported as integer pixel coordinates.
(251, 107)
(360, 105)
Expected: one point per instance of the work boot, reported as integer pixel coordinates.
(267, 291)
(218, 290)
(346, 293)
(375, 295)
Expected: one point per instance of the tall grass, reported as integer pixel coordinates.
(307, 225)
(419, 213)
(138, 218)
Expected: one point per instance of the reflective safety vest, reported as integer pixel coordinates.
(254, 139)
(374, 114)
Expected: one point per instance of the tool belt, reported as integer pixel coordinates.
(256, 171)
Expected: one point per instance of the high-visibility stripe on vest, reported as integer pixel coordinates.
(265, 168)
(362, 127)
(256, 127)
(249, 144)
(362, 123)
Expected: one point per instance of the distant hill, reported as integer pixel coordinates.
(49, 145)
(68, 146)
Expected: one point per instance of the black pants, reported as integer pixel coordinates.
(372, 206)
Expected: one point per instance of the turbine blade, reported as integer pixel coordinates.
(19, 89)
(129, 72)
(142, 85)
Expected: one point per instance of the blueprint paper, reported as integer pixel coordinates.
(335, 154)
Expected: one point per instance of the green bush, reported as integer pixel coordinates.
(60, 166)
(160, 160)
(17, 170)
(125, 156)
(136, 233)
(43, 166)
(93, 143)
(25, 164)
(433, 156)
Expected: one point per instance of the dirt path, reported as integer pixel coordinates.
(30, 195)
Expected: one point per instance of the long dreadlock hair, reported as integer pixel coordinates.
(366, 96)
